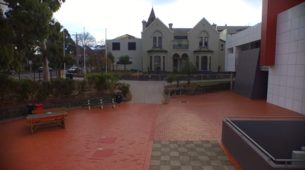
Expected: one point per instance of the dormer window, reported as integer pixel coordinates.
(200, 42)
(160, 42)
(154, 41)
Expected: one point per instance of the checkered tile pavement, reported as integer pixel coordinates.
(189, 155)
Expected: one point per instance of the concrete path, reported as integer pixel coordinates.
(146, 91)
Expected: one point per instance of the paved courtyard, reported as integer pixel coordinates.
(133, 136)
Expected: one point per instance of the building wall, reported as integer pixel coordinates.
(234, 43)
(193, 37)
(271, 9)
(136, 55)
(147, 42)
(286, 87)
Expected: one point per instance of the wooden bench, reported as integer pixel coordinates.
(48, 116)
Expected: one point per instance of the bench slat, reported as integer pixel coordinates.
(49, 110)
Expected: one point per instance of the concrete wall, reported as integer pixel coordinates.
(286, 87)
(234, 41)
(247, 155)
(136, 55)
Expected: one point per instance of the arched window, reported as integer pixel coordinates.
(150, 63)
(210, 64)
(197, 62)
(204, 63)
(157, 39)
(203, 38)
(157, 63)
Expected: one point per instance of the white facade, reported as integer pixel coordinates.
(134, 54)
(234, 43)
(286, 86)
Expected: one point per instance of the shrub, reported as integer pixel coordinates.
(102, 82)
(24, 88)
(125, 88)
(170, 78)
(43, 91)
(62, 87)
(80, 86)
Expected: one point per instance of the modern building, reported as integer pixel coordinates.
(269, 58)
(165, 48)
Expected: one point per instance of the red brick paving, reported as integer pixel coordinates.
(133, 125)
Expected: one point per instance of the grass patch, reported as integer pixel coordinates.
(210, 83)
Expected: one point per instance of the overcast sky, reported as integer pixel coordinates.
(125, 16)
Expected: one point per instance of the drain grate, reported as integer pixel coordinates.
(183, 101)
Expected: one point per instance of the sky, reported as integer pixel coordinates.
(125, 16)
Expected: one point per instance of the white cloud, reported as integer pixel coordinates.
(125, 17)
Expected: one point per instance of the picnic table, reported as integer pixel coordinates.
(48, 116)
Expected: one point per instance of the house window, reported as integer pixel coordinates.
(197, 62)
(221, 47)
(130, 60)
(200, 42)
(204, 63)
(116, 46)
(157, 63)
(150, 62)
(155, 42)
(164, 63)
(117, 61)
(206, 39)
(160, 42)
(131, 46)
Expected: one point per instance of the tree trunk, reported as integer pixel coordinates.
(46, 72)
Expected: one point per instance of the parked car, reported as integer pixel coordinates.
(40, 69)
(74, 69)
(11, 72)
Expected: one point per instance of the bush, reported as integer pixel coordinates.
(62, 87)
(170, 78)
(43, 91)
(102, 82)
(125, 88)
(80, 86)
(24, 88)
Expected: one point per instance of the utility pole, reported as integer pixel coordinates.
(84, 53)
(106, 47)
(63, 34)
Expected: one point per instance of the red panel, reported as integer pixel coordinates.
(271, 8)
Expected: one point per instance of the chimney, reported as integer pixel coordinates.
(144, 25)
(170, 26)
(215, 26)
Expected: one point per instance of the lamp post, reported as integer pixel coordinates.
(84, 54)
(106, 47)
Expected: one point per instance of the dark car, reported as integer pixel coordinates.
(10, 72)
(74, 69)
(40, 69)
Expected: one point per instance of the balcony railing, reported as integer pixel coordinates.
(180, 46)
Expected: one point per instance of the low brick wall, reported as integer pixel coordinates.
(200, 90)
(17, 112)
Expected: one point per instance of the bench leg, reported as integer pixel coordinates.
(63, 122)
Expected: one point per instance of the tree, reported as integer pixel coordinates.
(112, 59)
(124, 60)
(189, 69)
(29, 21)
(86, 39)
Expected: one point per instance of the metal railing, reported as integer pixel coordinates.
(270, 157)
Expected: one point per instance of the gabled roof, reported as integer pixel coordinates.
(161, 23)
(151, 17)
(203, 19)
(125, 37)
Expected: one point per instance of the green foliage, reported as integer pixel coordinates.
(189, 69)
(62, 87)
(44, 90)
(25, 87)
(210, 83)
(125, 88)
(102, 82)
(124, 60)
(81, 86)
(170, 78)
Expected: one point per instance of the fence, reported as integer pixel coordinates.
(182, 78)
(37, 76)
